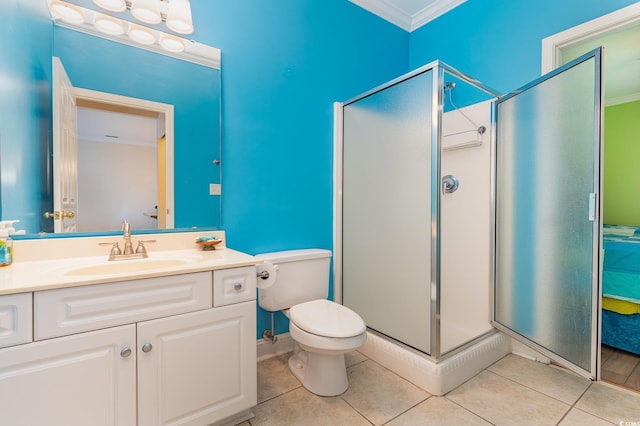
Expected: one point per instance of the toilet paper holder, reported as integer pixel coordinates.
(263, 274)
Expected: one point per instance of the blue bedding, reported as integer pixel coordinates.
(621, 272)
(621, 331)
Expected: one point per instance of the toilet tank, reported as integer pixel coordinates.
(301, 276)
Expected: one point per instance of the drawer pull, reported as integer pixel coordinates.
(125, 353)
(147, 347)
(237, 286)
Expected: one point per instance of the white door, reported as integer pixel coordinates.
(197, 368)
(79, 380)
(65, 186)
(548, 177)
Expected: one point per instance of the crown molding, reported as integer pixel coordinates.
(386, 11)
(403, 19)
(433, 11)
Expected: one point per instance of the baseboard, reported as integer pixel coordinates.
(283, 344)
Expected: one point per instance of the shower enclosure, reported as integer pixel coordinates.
(401, 217)
(433, 196)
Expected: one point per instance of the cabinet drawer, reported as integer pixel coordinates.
(15, 319)
(73, 310)
(234, 285)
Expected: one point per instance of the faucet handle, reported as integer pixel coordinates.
(115, 248)
(141, 248)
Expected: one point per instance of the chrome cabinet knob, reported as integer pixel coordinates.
(147, 347)
(125, 353)
(237, 286)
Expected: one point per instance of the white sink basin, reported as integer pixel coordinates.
(126, 266)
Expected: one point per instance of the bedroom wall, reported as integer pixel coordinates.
(621, 171)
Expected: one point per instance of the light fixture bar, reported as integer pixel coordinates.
(176, 14)
(114, 29)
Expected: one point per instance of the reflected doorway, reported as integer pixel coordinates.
(120, 171)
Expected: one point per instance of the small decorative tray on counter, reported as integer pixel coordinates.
(208, 243)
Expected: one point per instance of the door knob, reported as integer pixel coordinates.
(59, 215)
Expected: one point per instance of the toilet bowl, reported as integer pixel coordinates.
(322, 330)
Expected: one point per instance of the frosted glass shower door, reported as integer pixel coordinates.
(547, 271)
(386, 211)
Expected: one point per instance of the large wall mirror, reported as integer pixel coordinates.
(125, 99)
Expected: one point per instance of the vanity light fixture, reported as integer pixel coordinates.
(66, 11)
(175, 13)
(112, 27)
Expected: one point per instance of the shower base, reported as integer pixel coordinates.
(440, 377)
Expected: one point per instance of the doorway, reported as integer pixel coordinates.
(619, 33)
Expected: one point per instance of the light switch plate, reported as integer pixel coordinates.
(215, 189)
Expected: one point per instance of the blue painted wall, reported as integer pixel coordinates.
(284, 63)
(500, 42)
(25, 110)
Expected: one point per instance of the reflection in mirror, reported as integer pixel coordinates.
(98, 65)
(125, 154)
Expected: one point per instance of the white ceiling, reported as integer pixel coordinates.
(408, 14)
(95, 125)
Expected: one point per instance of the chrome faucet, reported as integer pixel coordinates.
(127, 253)
(126, 228)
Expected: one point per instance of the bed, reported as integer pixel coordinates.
(621, 288)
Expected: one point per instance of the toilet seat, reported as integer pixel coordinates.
(326, 318)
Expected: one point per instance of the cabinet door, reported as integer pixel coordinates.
(197, 368)
(76, 380)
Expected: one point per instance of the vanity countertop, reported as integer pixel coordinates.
(60, 266)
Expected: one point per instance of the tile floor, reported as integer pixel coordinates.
(513, 391)
(621, 367)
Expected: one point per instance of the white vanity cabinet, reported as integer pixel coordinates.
(15, 319)
(197, 368)
(153, 351)
(73, 380)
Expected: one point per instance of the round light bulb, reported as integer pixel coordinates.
(179, 17)
(112, 5)
(147, 11)
(171, 43)
(108, 24)
(66, 11)
(141, 34)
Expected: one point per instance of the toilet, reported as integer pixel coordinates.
(323, 331)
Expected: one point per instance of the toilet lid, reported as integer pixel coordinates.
(327, 318)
